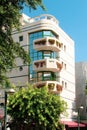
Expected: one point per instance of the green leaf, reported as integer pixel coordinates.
(36, 105)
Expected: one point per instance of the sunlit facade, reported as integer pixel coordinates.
(52, 58)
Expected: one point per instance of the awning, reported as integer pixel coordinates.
(73, 124)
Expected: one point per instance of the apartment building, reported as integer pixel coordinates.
(81, 84)
(52, 58)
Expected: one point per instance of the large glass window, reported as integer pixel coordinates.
(37, 55)
(49, 33)
(45, 76)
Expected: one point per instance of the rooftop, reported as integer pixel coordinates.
(26, 19)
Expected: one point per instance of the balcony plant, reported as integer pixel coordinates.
(51, 86)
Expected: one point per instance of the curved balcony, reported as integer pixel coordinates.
(47, 43)
(53, 86)
(47, 65)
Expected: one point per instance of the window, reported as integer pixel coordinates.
(20, 38)
(47, 33)
(62, 63)
(65, 85)
(20, 68)
(48, 54)
(65, 66)
(64, 48)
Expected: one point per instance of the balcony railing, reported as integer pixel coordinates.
(47, 65)
(53, 86)
(47, 43)
(43, 17)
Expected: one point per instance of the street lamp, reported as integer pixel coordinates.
(80, 108)
(8, 91)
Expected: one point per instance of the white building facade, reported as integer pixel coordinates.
(52, 58)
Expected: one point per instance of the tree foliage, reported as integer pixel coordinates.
(36, 107)
(9, 19)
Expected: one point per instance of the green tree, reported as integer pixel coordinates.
(9, 19)
(33, 106)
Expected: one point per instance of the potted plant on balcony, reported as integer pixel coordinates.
(59, 88)
(51, 86)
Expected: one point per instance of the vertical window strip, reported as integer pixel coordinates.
(35, 55)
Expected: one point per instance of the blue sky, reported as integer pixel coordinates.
(72, 17)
